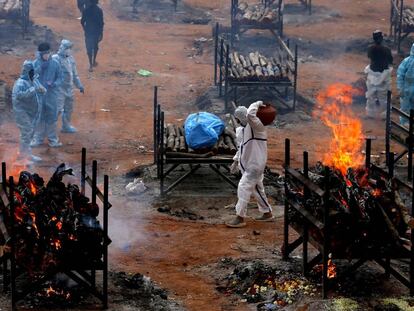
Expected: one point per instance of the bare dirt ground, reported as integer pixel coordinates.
(114, 118)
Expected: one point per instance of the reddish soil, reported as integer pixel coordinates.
(163, 247)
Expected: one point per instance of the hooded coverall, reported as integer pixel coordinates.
(70, 78)
(252, 158)
(50, 77)
(405, 84)
(26, 106)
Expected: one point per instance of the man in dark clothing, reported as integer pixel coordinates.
(378, 77)
(93, 24)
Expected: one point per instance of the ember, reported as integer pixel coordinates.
(54, 221)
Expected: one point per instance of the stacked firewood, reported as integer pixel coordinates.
(175, 143)
(256, 14)
(408, 16)
(256, 67)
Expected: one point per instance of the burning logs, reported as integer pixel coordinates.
(257, 67)
(365, 214)
(256, 14)
(55, 225)
(175, 144)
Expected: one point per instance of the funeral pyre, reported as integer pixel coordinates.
(55, 224)
(366, 212)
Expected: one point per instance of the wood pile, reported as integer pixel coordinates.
(175, 144)
(9, 7)
(256, 14)
(408, 17)
(257, 67)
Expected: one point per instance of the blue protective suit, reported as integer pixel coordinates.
(70, 78)
(405, 84)
(26, 106)
(50, 77)
(251, 157)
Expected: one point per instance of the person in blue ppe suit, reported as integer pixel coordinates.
(49, 73)
(70, 78)
(405, 85)
(250, 159)
(27, 108)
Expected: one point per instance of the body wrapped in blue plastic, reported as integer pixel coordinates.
(202, 130)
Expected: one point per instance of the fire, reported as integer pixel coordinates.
(376, 192)
(331, 269)
(33, 188)
(55, 292)
(336, 113)
(57, 244)
(59, 225)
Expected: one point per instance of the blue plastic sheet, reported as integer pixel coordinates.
(202, 130)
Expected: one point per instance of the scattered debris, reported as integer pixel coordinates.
(136, 187)
(144, 73)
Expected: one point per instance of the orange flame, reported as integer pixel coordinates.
(33, 188)
(376, 192)
(336, 113)
(331, 273)
(57, 244)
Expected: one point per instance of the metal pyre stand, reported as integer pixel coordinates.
(401, 22)
(320, 234)
(83, 272)
(175, 160)
(223, 77)
(400, 134)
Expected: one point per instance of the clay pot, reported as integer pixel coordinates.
(267, 114)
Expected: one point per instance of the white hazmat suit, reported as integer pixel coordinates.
(252, 158)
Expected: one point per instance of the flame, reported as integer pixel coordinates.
(53, 292)
(376, 192)
(34, 223)
(50, 291)
(336, 113)
(331, 273)
(57, 244)
(59, 225)
(33, 188)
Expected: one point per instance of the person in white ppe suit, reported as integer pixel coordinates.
(250, 159)
(70, 78)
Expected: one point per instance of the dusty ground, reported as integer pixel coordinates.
(114, 119)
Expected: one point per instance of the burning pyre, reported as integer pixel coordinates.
(366, 213)
(55, 224)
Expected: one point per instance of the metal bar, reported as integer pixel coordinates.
(310, 7)
(171, 169)
(85, 284)
(105, 255)
(285, 252)
(13, 274)
(83, 170)
(399, 126)
(326, 237)
(221, 67)
(399, 156)
(4, 175)
(400, 27)
(410, 146)
(306, 182)
(160, 139)
(294, 245)
(94, 180)
(210, 160)
(388, 127)
(307, 215)
(305, 225)
(215, 52)
(155, 123)
(368, 154)
(223, 176)
(99, 194)
(391, 164)
(295, 78)
(387, 267)
(182, 178)
(226, 78)
(162, 155)
(400, 112)
(394, 273)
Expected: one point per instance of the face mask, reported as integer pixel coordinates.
(45, 56)
(31, 74)
(67, 52)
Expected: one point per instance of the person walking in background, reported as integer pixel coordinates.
(27, 108)
(378, 77)
(49, 73)
(405, 85)
(70, 78)
(93, 24)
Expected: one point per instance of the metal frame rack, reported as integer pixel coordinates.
(84, 275)
(309, 224)
(238, 27)
(162, 158)
(400, 134)
(222, 78)
(398, 29)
